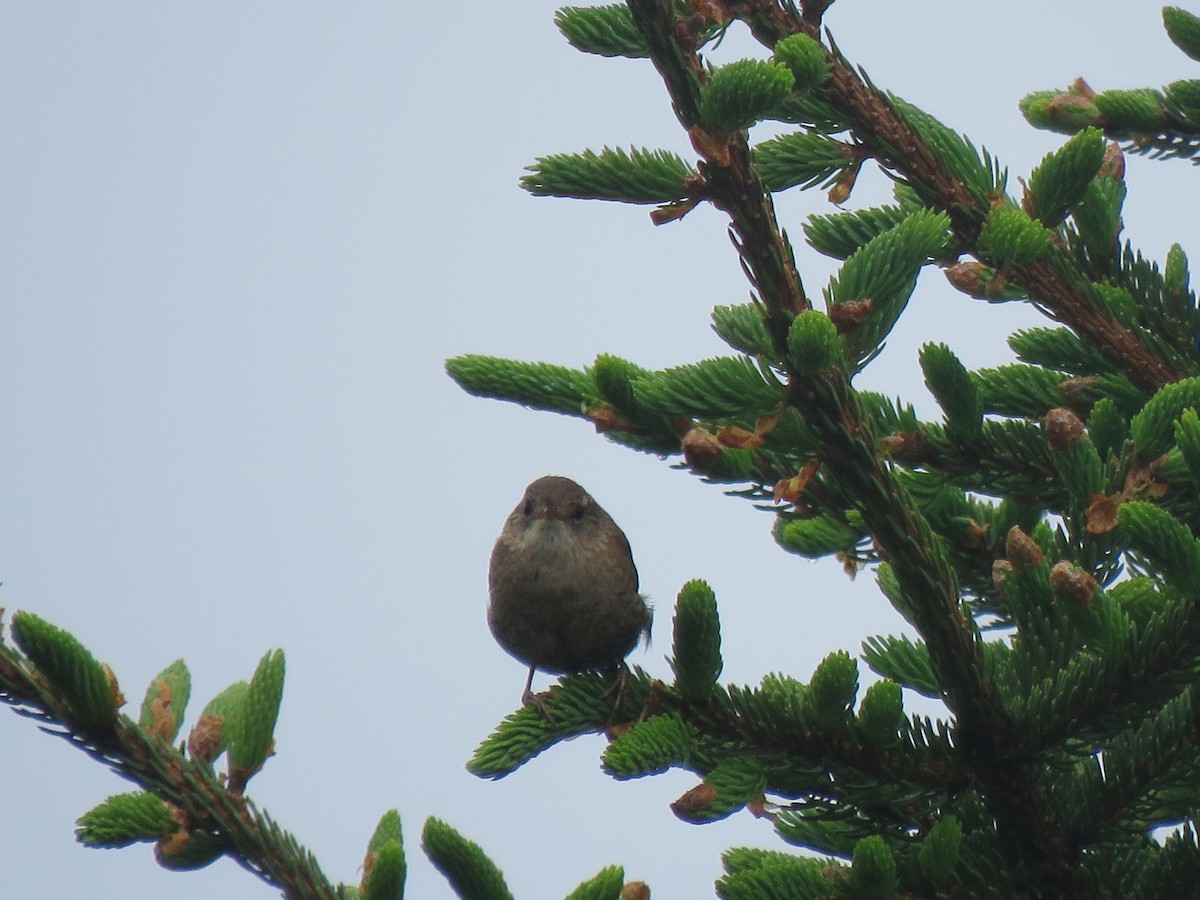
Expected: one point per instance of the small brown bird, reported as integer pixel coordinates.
(563, 586)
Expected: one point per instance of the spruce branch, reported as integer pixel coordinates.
(574, 707)
(902, 536)
(900, 532)
(1161, 122)
(203, 804)
(741, 716)
(733, 185)
(731, 180)
(1052, 282)
(1077, 727)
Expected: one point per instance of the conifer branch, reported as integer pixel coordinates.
(1071, 737)
(1052, 282)
(901, 534)
(731, 181)
(201, 803)
(912, 764)
(1076, 726)
(1166, 649)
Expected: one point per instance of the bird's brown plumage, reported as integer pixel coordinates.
(562, 583)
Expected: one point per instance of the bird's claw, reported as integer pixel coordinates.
(538, 702)
(617, 690)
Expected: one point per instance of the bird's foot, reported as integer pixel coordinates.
(538, 702)
(617, 690)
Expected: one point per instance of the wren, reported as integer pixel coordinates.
(563, 587)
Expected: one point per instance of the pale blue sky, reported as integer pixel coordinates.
(239, 240)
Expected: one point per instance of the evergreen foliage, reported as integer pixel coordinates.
(603, 30)
(1040, 539)
(742, 93)
(166, 700)
(639, 176)
(472, 875)
(124, 819)
(69, 667)
(1164, 122)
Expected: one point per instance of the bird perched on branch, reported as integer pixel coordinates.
(563, 586)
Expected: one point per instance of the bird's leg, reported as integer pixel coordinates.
(527, 695)
(529, 698)
(617, 688)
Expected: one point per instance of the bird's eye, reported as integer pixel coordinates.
(577, 513)
(527, 509)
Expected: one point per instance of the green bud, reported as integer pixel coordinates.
(251, 734)
(806, 58)
(873, 873)
(939, 850)
(603, 30)
(1098, 216)
(387, 830)
(726, 789)
(614, 377)
(1059, 181)
(1153, 428)
(1187, 439)
(743, 328)
(1107, 427)
(1183, 28)
(70, 667)
(166, 701)
(697, 663)
(1165, 541)
(956, 392)
(742, 93)
(802, 158)
(1010, 237)
(833, 687)
(881, 713)
(468, 869)
(1060, 111)
(650, 747)
(210, 735)
(1075, 456)
(639, 175)
(813, 343)
(815, 536)
(536, 385)
(840, 234)
(384, 873)
(1185, 95)
(1176, 277)
(124, 819)
(605, 885)
(186, 853)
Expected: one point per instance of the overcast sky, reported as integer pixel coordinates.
(238, 242)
